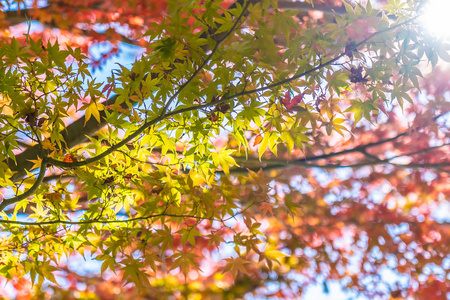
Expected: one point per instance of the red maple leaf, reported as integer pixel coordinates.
(290, 103)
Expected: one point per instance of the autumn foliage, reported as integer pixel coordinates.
(255, 148)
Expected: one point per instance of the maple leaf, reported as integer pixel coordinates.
(36, 163)
(215, 239)
(93, 110)
(266, 208)
(69, 158)
(46, 144)
(185, 260)
(257, 140)
(133, 272)
(236, 265)
(259, 178)
(53, 196)
(271, 254)
(224, 159)
(188, 235)
(290, 103)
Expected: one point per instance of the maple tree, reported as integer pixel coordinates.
(256, 147)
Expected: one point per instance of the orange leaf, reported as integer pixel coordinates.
(257, 140)
(53, 196)
(69, 158)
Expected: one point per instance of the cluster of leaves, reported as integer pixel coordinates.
(239, 153)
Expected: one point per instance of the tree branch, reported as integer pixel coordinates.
(62, 222)
(33, 188)
(73, 135)
(304, 162)
(286, 164)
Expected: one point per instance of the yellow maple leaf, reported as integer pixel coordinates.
(272, 254)
(93, 110)
(46, 144)
(36, 163)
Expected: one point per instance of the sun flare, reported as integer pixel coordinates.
(436, 19)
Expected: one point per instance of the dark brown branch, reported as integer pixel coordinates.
(273, 164)
(29, 192)
(437, 166)
(420, 151)
(62, 222)
(74, 134)
(353, 150)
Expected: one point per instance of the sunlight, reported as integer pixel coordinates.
(436, 18)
